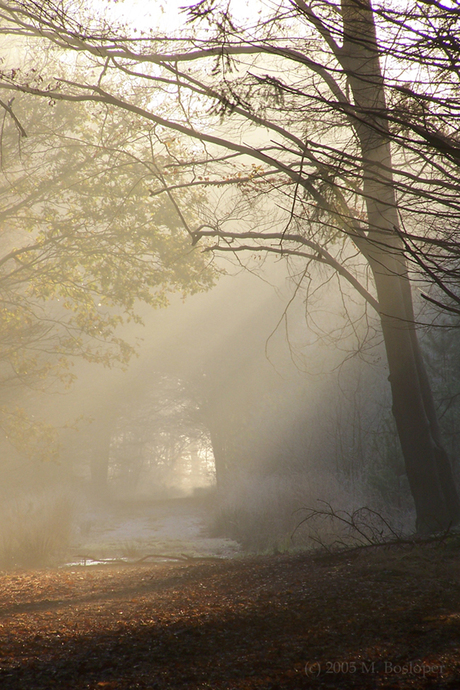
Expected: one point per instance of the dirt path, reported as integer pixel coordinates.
(133, 530)
(388, 619)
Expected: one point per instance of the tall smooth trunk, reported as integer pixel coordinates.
(427, 465)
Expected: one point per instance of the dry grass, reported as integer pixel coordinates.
(34, 530)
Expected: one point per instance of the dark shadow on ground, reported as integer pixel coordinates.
(375, 621)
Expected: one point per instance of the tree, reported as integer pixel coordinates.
(82, 242)
(312, 96)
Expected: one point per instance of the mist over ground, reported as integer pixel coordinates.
(234, 407)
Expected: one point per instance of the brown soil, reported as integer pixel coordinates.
(388, 618)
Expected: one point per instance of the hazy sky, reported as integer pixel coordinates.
(165, 15)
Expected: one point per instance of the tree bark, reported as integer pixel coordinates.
(427, 465)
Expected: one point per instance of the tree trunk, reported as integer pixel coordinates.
(219, 449)
(427, 464)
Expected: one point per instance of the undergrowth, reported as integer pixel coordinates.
(34, 530)
(267, 514)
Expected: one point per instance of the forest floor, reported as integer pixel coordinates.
(375, 618)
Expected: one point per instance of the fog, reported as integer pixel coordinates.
(245, 406)
(234, 418)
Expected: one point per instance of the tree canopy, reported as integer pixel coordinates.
(276, 96)
(83, 241)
